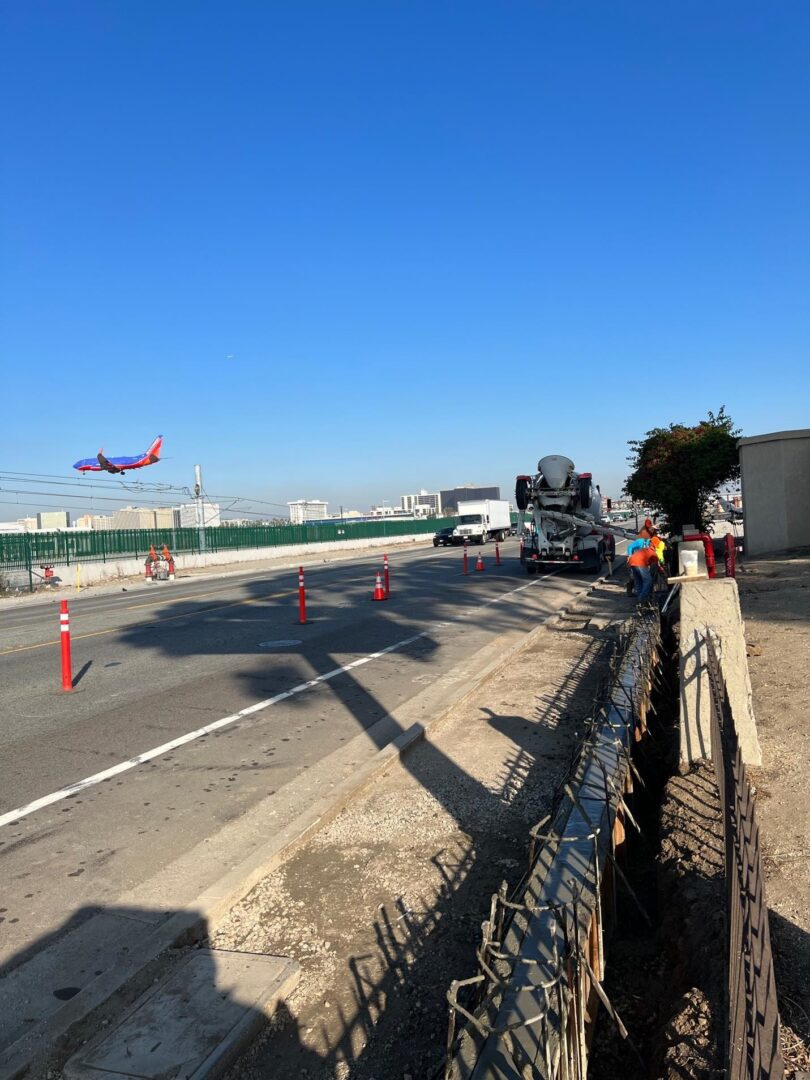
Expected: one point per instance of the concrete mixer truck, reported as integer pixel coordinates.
(563, 510)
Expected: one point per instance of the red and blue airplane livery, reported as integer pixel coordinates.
(121, 464)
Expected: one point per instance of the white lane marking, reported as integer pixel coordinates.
(191, 736)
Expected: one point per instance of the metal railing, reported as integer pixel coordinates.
(21, 551)
(752, 1021)
(531, 1007)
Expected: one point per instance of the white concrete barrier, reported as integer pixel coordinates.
(95, 573)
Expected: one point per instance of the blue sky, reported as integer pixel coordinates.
(351, 250)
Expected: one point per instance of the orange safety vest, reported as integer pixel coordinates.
(643, 557)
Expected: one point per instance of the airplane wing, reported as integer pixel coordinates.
(106, 465)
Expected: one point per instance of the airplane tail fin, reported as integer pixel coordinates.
(153, 453)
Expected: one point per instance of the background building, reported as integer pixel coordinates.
(425, 504)
(450, 498)
(303, 510)
(134, 517)
(168, 517)
(186, 515)
(389, 512)
(775, 472)
(53, 519)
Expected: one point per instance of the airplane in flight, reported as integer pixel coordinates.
(121, 464)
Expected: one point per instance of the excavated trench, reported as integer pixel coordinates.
(666, 981)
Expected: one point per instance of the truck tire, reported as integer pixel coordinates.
(596, 564)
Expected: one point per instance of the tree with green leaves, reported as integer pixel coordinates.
(678, 469)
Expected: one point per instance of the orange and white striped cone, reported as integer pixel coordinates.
(379, 591)
(479, 566)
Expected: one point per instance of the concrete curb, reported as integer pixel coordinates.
(127, 980)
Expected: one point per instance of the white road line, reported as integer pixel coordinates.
(191, 736)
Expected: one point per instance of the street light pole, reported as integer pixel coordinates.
(199, 509)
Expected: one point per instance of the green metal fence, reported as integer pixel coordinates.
(22, 551)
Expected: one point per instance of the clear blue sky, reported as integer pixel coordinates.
(348, 250)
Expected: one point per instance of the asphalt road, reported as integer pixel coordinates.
(191, 661)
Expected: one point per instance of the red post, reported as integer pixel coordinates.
(465, 556)
(708, 548)
(302, 597)
(731, 556)
(497, 554)
(64, 627)
(387, 579)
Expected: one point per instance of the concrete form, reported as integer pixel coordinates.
(713, 606)
(776, 490)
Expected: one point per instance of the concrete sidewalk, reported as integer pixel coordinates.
(382, 908)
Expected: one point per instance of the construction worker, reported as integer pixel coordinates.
(642, 560)
(659, 547)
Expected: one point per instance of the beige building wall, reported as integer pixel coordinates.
(134, 517)
(775, 471)
(166, 517)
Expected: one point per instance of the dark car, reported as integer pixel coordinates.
(445, 537)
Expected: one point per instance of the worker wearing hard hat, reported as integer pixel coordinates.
(642, 560)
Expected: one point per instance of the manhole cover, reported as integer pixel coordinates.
(284, 643)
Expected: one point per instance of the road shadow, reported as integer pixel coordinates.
(391, 1018)
(406, 949)
(176, 1011)
(80, 674)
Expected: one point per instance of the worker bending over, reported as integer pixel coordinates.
(642, 560)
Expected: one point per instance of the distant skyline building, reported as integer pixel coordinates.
(389, 511)
(187, 516)
(134, 517)
(451, 497)
(304, 510)
(425, 504)
(53, 519)
(167, 517)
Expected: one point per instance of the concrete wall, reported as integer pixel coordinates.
(95, 573)
(713, 606)
(776, 491)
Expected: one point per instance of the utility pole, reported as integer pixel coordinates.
(199, 510)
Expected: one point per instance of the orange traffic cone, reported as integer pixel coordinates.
(480, 564)
(379, 591)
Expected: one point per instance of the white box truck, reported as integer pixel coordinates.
(480, 520)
